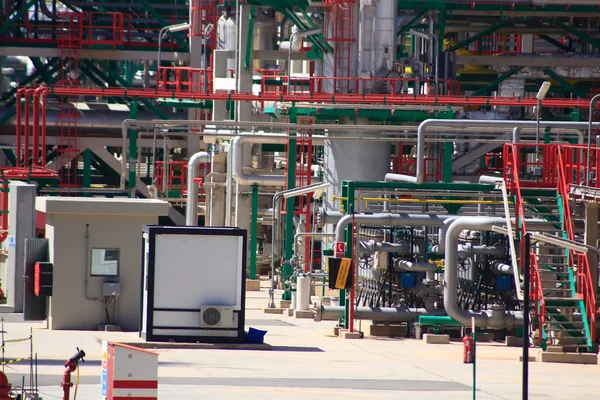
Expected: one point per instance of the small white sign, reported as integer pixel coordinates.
(12, 242)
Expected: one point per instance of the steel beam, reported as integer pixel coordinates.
(529, 61)
(407, 26)
(480, 35)
(582, 36)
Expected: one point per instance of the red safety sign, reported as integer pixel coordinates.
(339, 249)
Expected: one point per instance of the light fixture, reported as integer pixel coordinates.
(178, 27)
(421, 34)
(541, 94)
(308, 32)
(172, 29)
(317, 189)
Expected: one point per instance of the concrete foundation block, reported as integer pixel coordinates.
(273, 310)
(336, 331)
(430, 338)
(555, 349)
(351, 335)
(531, 358)
(484, 337)
(285, 303)
(305, 314)
(569, 358)
(252, 285)
(387, 330)
(109, 328)
(513, 341)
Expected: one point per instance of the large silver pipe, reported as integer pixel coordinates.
(191, 211)
(232, 128)
(387, 219)
(384, 247)
(490, 319)
(391, 314)
(423, 131)
(427, 267)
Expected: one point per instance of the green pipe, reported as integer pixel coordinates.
(438, 320)
(253, 232)
(447, 162)
(248, 57)
(289, 203)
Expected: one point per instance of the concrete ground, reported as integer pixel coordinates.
(306, 362)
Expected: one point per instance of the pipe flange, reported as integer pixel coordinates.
(317, 311)
(320, 220)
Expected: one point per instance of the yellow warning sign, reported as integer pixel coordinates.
(342, 278)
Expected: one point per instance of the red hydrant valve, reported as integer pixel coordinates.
(468, 349)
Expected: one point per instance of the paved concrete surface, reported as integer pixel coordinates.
(306, 362)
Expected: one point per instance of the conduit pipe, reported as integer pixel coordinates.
(503, 268)
(429, 268)
(490, 319)
(423, 131)
(387, 219)
(384, 247)
(391, 314)
(191, 211)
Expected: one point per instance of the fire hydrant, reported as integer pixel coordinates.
(4, 387)
(468, 349)
(70, 366)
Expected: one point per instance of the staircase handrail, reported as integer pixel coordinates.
(584, 285)
(537, 291)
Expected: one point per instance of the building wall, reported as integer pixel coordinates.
(69, 307)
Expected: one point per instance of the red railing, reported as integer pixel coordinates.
(184, 80)
(177, 176)
(316, 85)
(584, 282)
(537, 290)
(560, 166)
(575, 165)
(113, 29)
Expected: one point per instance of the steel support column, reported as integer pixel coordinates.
(133, 147)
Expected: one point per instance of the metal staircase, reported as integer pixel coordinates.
(561, 286)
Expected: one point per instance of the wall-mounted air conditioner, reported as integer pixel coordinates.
(217, 317)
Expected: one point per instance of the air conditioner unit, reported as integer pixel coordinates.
(217, 317)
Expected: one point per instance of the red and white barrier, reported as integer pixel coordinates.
(132, 373)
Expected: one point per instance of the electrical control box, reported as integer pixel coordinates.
(111, 289)
(503, 283)
(407, 280)
(43, 279)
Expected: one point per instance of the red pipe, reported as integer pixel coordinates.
(18, 130)
(36, 126)
(4, 207)
(66, 384)
(43, 105)
(28, 94)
